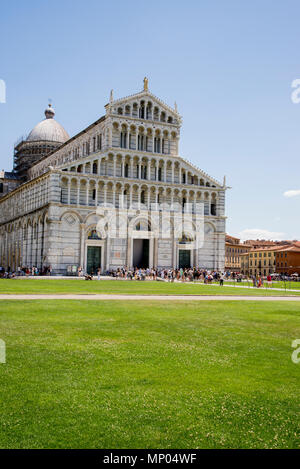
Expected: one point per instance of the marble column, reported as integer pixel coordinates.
(69, 191)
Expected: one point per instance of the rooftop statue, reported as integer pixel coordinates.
(146, 84)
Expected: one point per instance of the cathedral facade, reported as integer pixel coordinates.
(116, 194)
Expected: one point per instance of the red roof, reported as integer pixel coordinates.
(290, 248)
(268, 248)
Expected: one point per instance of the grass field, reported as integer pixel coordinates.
(147, 375)
(80, 286)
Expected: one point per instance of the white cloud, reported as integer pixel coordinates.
(258, 233)
(292, 193)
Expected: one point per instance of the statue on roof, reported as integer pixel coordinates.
(111, 98)
(146, 84)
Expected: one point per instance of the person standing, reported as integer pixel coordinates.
(98, 273)
(259, 282)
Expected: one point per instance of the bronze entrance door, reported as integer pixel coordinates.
(93, 259)
(184, 258)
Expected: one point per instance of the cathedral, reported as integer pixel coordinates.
(116, 194)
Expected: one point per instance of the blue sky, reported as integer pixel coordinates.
(228, 65)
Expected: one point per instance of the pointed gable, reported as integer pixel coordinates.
(137, 105)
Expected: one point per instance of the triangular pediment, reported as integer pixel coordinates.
(146, 96)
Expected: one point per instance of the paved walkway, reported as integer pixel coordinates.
(264, 288)
(150, 297)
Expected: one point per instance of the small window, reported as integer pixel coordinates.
(126, 170)
(123, 138)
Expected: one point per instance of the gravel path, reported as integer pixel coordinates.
(150, 297)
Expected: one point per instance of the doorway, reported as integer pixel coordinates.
(141, 253)
(93, 259)
(184, 258)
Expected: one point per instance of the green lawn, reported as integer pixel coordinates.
(80, 286)
(133, 375)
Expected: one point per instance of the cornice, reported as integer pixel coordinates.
(142, 121)
(121, 179)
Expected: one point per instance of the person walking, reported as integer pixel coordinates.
(259, 282)
(221, 280)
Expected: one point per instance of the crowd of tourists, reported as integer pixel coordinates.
(170, 275)
(25, 271)
(180, 275)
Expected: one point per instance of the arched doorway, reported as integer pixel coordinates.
(93, 253)
(142, 245)
(185, 251)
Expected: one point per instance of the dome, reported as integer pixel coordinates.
(48, 130)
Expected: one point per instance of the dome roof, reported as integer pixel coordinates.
(48, 130)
